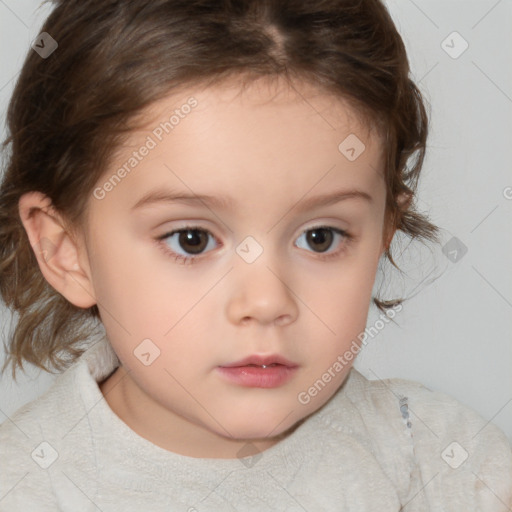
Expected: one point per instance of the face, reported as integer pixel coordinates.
(186, 287)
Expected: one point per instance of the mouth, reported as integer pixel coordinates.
(270, 361)
(263, 365)
(259, 371)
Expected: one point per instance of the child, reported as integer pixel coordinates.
(220, 377)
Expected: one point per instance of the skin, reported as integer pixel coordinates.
(268, 149)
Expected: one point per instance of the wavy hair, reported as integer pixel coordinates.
(70, 111)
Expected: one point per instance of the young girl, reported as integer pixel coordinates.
(196, 201)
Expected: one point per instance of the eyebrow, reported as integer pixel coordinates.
(226, 203)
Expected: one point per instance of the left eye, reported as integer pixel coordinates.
(322, 237)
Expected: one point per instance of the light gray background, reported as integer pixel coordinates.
(454, 335)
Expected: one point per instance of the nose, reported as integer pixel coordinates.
(261, 294)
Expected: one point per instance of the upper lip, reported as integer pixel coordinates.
(261, 360)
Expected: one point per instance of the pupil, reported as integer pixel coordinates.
(318, 236)
(192, 237)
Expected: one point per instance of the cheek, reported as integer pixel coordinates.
(342, 302)
(140, 300)
(343, 294)
(123, 286)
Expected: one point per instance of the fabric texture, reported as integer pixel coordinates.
(376, 445)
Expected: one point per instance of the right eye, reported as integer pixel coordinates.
(190, 239)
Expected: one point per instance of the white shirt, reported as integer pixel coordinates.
(381, 446)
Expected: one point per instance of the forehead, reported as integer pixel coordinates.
(269, 138)
(265, 97)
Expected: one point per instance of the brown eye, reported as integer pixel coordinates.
(188, 242)
(320, 238)
(193, 241)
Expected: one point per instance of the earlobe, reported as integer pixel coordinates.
(56, 252)
(404, 202)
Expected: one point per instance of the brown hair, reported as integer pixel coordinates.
(71, 110)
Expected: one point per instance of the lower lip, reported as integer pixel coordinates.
(257, 377)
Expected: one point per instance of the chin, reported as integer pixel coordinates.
(250, 430)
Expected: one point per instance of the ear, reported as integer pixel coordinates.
(404, 201)
(57, 253)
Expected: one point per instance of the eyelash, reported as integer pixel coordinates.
(188, 260)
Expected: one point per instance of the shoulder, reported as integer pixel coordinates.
(24, 480)
(459, 458)
(40, 441)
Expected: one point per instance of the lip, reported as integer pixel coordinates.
(244, 374)
(262, 360)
